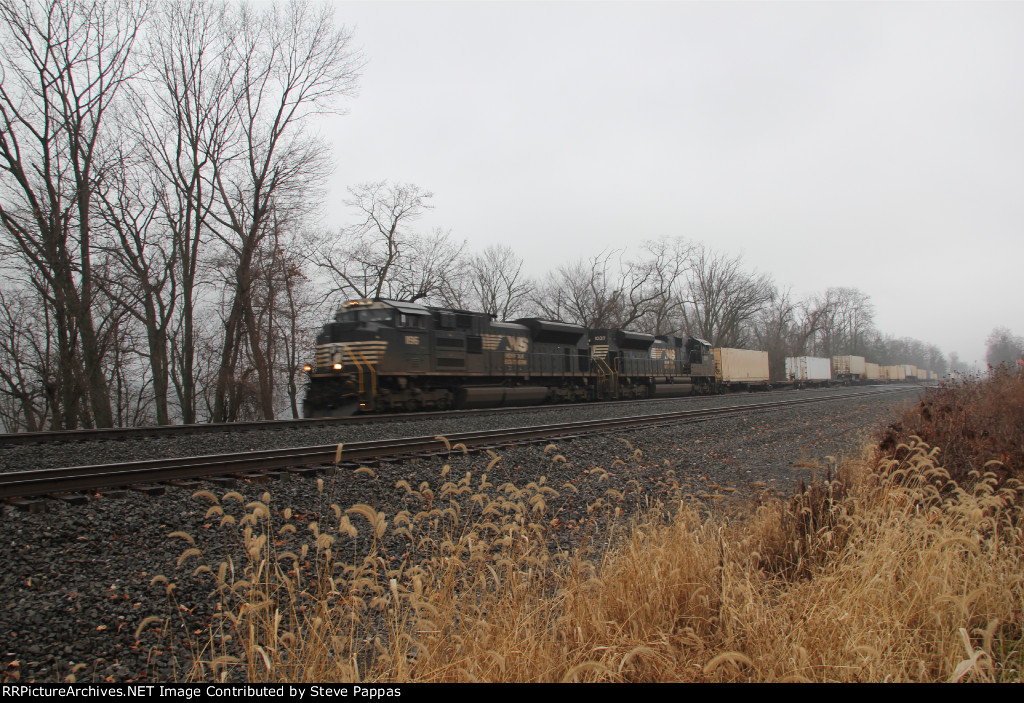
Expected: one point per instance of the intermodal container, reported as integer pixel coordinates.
(808, 368)
(741, 365)
(895, 373)
(848, 366)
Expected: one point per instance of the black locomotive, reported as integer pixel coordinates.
(386, 355)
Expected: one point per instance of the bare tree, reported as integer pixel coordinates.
(184, 121)
(667, 262)
(724, 298)
(1003, 347)
(141, 276)
(856, 318)
(26, 366)
(125, 360)
(293, 64)
(603, 291)
(843, 319)
(373, 258)
(286, 316)
(936, 360)
(956, 365)
(497, 282)
(63, 63)
(296, 323)
(777, 331)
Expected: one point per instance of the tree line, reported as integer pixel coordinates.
(1003, 347)
(159, 165)
(156, 165)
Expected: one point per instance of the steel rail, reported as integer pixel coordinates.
(73, 479)
(128, 433)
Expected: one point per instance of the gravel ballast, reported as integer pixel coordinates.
(60, 454)
(78, 579)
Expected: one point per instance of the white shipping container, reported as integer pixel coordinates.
(872, 372)
(848, 365)
(808, 368)
(741, 365)
(910, 370)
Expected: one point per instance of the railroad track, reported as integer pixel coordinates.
(109, 434)
(73, 480)
(135, 433)
(129, 433)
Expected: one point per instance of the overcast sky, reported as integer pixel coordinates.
(873, 145)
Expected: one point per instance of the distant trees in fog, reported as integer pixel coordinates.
(1003, 347)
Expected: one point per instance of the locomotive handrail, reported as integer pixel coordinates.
(359, 368)
(373, 378)
(602, 376)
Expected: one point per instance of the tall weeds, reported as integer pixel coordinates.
(910, 577)
(974, 420)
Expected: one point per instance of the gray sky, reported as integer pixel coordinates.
(874, 145)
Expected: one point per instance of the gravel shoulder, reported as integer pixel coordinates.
(78, 580)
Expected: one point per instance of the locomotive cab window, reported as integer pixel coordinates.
(413, 321)
(364, 316)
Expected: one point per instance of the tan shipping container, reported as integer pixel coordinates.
(910, 370)
(848, 366)
(741, 365)
(895, 373)
(872, 372)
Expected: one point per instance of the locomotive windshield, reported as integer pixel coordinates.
(376, 315)
(365, 316)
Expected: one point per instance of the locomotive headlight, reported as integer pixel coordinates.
(337, 367)
(307, 367)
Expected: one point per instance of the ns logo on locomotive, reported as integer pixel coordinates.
(385, 355)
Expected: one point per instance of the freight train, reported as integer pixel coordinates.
(389, 356)
(386, 355)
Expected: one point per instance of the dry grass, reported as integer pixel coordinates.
(889, 571)
(903, 577)
(975, 420)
